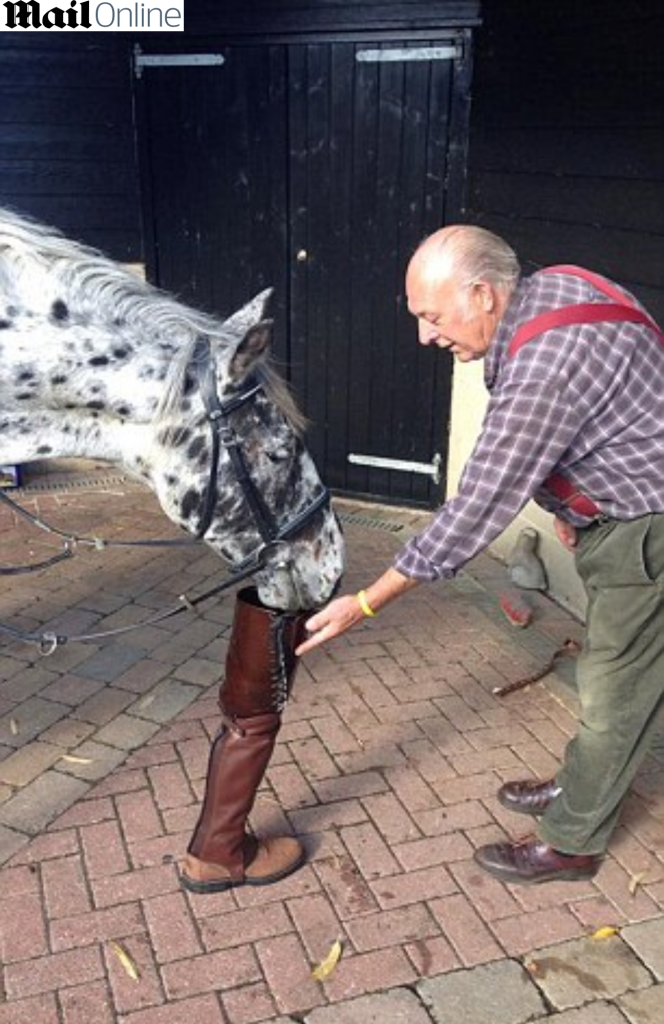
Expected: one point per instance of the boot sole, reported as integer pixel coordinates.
(521, 810)
(222, 885)
(530, 812)
(573, 875)
(559, 876)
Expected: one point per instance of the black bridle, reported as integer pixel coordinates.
(219, 415)
(224, 436)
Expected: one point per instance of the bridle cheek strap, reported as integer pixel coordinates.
(218, 415)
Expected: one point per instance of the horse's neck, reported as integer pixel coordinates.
(97, 366)
(77, 392)
(49, 434)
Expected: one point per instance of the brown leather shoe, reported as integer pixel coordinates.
(528, 796)
(272, 860)
(532, 861)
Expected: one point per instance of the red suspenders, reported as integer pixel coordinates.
(620, 309)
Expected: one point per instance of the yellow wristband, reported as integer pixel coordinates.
(364, 604)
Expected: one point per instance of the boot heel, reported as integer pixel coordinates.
(204, 888)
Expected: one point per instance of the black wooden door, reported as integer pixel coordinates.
(316, 168)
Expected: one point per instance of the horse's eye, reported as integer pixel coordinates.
(278, 454)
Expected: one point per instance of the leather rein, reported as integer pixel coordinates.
(219, 415)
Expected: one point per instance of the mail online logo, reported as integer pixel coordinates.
(90, 15)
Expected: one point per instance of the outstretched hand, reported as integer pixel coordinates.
(344, 612)
(338, 616)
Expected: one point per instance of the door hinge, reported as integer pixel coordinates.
(448, 51)
(431, 469)
(164, 60)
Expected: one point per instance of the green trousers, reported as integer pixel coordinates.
(620, 678)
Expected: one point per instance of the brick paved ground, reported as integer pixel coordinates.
(387, 767)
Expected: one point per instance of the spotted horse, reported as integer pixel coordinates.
(96, 363)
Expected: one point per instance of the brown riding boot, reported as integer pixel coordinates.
(260, 667)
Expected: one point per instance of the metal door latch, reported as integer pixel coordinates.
(171, 60)
(431, 469)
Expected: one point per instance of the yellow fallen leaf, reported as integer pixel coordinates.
(126, 961)
(267, 798)
(604, 933)
(635, 882)
(326, 966)
(73, 759)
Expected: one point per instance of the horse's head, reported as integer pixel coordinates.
(234, 470)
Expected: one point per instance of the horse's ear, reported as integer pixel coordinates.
(250, 351)
(252, 313)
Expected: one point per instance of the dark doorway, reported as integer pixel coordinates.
(316, 168)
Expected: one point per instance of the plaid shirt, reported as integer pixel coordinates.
(586, 401)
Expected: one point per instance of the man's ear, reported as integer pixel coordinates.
(250, 351)
(485, 296)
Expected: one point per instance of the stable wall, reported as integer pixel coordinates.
(68, 149)
(67, 153)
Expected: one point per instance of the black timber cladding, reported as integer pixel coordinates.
(282, 18)
(566, 153)
(67, 152)
(300, 164)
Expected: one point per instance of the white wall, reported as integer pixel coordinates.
(469, 400)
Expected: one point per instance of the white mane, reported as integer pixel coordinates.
(41, 270)
(39, 266)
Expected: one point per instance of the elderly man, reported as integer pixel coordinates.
(575, 371)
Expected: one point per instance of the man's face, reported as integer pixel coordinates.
(451, 317)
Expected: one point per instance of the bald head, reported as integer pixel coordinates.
(465, 254)
(458, 285)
